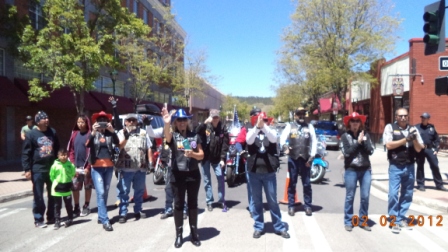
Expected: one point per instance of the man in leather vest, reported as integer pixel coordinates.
(301, 149)
(132, 166)
(431, 141)
(262, 165)
(403, 142)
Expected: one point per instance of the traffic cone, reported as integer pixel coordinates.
(285, 195)
(145, 196)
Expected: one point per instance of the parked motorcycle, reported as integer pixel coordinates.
(234, 161)
(319, 165)
(161, 165)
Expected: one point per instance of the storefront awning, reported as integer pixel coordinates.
(329, 104)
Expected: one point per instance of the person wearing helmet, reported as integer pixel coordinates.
(262, 165)
(356, 146)
(301, 151)
(186, 152)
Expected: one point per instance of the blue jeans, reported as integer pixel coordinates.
(169, 195)
(351, 178)
(39, 180)
(208, 182)
(296, 167)
(138, 180)
(101, 177)
(400, 175)
(268, 181)
(249, 191)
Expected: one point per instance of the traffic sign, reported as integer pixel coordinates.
(443, 63)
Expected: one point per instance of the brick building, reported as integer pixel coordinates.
(405, 81)
(14, 103)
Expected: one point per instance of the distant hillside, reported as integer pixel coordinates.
(255, 100)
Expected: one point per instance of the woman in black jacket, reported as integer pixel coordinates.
(186, 152)
(356, 146)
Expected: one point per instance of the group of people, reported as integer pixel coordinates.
(90, 159)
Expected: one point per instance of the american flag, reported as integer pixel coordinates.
(236, 120)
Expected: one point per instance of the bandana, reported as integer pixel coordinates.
(39, 116)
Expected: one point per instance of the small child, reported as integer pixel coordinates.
(61, 174)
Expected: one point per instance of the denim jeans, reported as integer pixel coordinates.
(39, 180)
(249, 191)
(351, 178)
(138, 180)
(296, 167)
(208, 182)
(169, 195)
(268, 182)
(101, 177)
(400, 175)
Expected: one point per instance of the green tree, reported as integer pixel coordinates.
(331, 42)
(12, 27)
(72, 49)
(231, 102)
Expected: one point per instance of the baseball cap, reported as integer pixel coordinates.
(425, 115)
(214, 113)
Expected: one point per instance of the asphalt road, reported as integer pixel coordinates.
(230, 231)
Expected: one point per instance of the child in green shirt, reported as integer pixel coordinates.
(61, 174)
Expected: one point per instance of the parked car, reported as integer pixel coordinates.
(330, 130)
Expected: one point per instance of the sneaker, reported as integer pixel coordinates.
(108, 227)
(224, 207)
(291, 211)
(421, 188)
(57, 225)
(68, 223)
(396, 229)
(404, 224)
(40, 225)
(366, 228)
(283, 234)
(167, 214)
(122, 219)
(76, 212)
(257, 234)
(85, 211)
(209, 207)
(348, 228)
(308, 211)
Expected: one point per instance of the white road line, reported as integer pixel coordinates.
(12, 212)
(317, 236)
(22, 244)
(423, 240)
(291, 244)
(439, 232)
(3, 209)
(57, 238)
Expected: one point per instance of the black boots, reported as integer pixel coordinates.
(193, 219)
(179, 222)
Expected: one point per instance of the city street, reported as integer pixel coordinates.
(230, 231)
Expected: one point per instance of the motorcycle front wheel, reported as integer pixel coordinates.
(317, 174)
(158, 176)
(230, 176)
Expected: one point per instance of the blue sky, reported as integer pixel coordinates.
(241, 38)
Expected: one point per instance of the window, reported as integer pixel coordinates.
(2, 62)
(156, 26)
(105, 85)
(135, 9)
(36, 16)
(145, 16)
(128, 4)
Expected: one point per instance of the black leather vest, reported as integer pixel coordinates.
(299, 141)
(402, 155)
(262, 152)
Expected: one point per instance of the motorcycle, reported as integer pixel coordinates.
(319, 166)
(234, 161)
(161, 166)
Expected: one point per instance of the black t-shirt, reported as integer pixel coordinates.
(179, 161)
(79, 145)
(39, 150)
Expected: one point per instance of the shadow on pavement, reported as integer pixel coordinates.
(206, 233)
(232, 203)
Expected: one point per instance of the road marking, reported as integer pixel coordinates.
(291, 244)
(12, 212)
(423, 240)
(3, 209)
(317, 236)
(437, 231)
(58, 238)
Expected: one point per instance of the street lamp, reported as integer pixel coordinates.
(113, 77)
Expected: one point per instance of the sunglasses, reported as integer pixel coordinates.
(181, 119)
(402, 116)
(355, 121)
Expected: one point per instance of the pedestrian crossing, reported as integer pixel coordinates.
(231, 231)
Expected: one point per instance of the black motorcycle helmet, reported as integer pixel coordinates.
(255, 111)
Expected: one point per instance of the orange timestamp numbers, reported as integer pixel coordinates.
(418, 220)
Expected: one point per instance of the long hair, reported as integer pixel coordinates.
(361, 126)
(174, 128)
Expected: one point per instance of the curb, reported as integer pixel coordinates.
(15, 196)
(431, 203)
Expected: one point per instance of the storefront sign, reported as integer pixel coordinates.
(397, 87)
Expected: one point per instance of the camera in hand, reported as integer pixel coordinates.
(102, 125)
